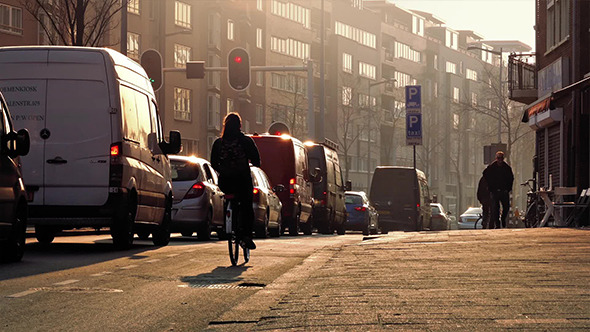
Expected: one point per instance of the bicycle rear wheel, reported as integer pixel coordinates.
(531, 218)
(234, 250)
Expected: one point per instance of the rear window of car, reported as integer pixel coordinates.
(184, 171)
(353, 199)
(473, 210)
(435, 210)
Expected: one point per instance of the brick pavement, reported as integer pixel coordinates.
(484, 280)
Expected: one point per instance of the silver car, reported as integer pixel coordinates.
(267, 205)
(468, 219)
(198, 201)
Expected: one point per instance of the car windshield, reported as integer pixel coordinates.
(354, 199)
(184, 171)
(473, 210)
(435, 209)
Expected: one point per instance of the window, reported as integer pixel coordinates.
(558, 22)
(474, 99)
(346, 95)
(214, 77)
(259, 114)
(435, 62)
(214, 33)
(133, 6)
(230, 30)
(367, 70)
(404, 51)
(259, 38)
(456, 93)
(182, 14)
(455, 121)
(11, 19)
(403, 79)
(291, 11)
(210, 140)
(290, 47)
(213, 111)
(182, 104)
(347, 63)
(471, 74)
(451, 40)
(360, 36)
(451, 67)
(260, 78)
(418, 25)
(133, 45)
(182, 54)
(259, 5)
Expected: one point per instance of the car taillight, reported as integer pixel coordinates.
(418, 205)
(292, 183)
(116, 169)
(196, 190)
(256, 197)
(361, 208)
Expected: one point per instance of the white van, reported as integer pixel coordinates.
(98, 156)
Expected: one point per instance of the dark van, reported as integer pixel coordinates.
(13, 197)
(284, 160)
(329, 209)
(402, 198)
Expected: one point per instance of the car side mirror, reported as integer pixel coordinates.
(174, 146)
(278, 188)
(348, 185)
(16, 144)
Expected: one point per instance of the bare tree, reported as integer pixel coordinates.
(291, 104)
(74, 22)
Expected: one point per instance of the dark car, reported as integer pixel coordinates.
(267, 205)
(198, 201)
(13, 200)
(284, 160)
(402, 198)
(362, 216)
(329, 210)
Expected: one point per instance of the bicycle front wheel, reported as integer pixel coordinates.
(234, 250)
(531, 218)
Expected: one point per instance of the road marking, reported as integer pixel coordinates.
(153, 260)
(100, 274)
(25, 293)
(127, 267)
(66, 282)
(189, 251)
(173, 255)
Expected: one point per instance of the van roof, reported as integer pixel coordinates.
(384, 168)
(270, 136)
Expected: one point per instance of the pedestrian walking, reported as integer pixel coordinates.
(483, 196)
(500, 178)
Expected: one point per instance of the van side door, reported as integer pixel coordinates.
(159, 165)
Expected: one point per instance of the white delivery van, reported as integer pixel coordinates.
(98, 156)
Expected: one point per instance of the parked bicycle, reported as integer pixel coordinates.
(232, 227)
(535, 206)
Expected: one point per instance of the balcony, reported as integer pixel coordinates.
(522, 78)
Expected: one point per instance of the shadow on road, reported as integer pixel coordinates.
(219, 275)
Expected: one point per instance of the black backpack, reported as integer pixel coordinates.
(232, 158)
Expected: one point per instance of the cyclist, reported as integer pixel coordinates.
(230, 157)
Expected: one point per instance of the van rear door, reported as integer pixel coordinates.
(76, 142)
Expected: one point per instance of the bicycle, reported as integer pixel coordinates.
(534, 205)
(232, 226)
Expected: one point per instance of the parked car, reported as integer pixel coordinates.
(98, 156)
(284, 160)
(440, 218)
(329, 209)
(267, 205)
(401, 197)
(198, 201)
(362, 216)
(13, 200)
(468, 218)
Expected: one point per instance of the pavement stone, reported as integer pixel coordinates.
(472, 280)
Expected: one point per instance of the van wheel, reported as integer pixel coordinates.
(44, 234)
(122, 229)
(14, 248)
(204, 231)
(294, 227)
(341, 230)
(307, 228)
(161, 235)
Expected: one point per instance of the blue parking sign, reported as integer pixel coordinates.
(414, 129)
(413, 98)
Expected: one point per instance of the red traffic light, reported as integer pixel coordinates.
(238, 69)
(238, 59)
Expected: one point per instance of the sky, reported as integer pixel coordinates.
(492, 19)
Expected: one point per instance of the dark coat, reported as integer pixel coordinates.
(483, 192)
(243, 182)
(499, 176)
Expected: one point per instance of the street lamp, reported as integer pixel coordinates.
(501, 94)
(389, 80)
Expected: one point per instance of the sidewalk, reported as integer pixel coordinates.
(523, 279)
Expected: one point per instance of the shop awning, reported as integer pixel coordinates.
(539, 106)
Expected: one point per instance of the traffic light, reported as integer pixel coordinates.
(238, 69)
(151, 61)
